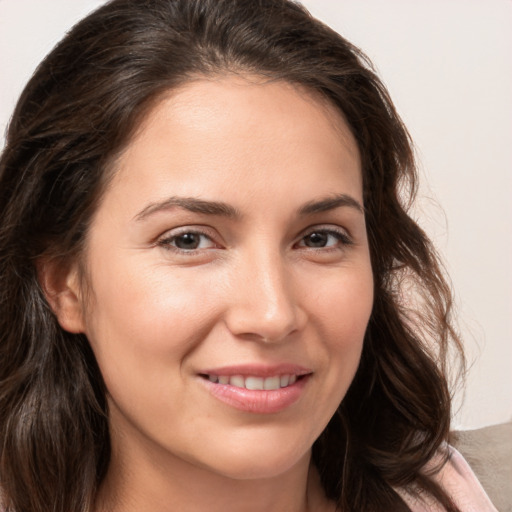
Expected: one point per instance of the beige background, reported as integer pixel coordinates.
(448, 65)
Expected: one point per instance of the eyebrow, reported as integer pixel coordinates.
(331, 203)
(222, 209)
(191, 204)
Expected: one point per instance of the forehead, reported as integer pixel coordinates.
(235, 131)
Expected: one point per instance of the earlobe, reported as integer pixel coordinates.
(61, 287)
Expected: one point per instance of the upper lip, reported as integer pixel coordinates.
(257, 370)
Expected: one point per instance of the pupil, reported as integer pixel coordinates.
(187, 241)
(316, 240)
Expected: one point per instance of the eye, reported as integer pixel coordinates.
(187, 241)
(325, 239)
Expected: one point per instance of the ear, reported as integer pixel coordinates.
(61, 286)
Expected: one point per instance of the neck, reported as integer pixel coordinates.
(140, 480)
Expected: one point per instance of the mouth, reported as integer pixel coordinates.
(253, 382)
(255, 389)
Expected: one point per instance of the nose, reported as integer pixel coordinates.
(265, 303)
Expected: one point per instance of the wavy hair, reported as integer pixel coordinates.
(76, 114)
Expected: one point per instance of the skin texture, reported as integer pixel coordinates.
(255, 290)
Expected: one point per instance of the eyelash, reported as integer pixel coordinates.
(343, 239)
(167, 241)
(341, 236)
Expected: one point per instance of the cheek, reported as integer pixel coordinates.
(343, 304)
(342, 310)
(142, 326)
(150, 307)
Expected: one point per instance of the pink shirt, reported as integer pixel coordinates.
(459, 481)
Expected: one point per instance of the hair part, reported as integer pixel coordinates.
(73, 120)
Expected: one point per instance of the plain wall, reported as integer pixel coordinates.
(448, 67)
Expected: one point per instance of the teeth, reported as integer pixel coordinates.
(272, 383)
(255, 383)
(237, 381)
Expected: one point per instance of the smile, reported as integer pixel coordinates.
(257, 389)
(255, 383)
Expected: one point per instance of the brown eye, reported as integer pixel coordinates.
(317, 239)
(187, 241)
(325, 238)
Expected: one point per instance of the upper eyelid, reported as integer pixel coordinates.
(180, 230)
(212, 234)
(165, 242)
(345, 239)
(326, 228)
(170, 235)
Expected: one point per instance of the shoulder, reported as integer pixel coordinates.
(459, 482)
(457, 478)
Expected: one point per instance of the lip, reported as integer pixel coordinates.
(257, 401)
(257, 370)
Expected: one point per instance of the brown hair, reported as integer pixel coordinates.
(75, 115)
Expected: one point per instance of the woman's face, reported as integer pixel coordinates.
(229, 254)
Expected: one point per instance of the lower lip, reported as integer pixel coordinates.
(258, 401)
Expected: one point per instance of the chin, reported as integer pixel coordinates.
(258, 459)
(260, 469)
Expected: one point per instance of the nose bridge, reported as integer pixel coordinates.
(264, 303)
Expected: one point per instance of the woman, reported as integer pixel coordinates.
(212, 294)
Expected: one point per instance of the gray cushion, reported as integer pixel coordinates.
(489, 453)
